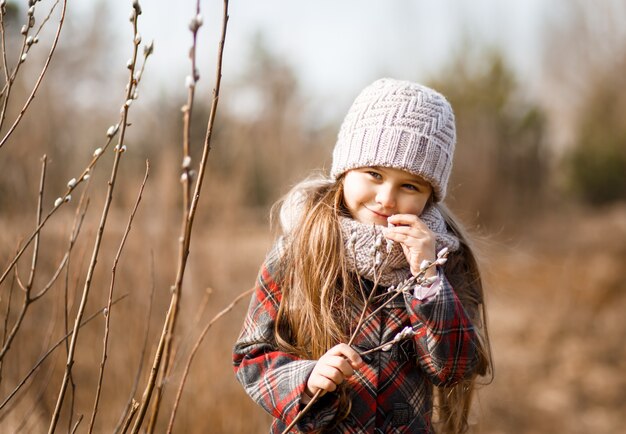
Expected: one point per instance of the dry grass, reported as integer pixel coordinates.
(555, 307)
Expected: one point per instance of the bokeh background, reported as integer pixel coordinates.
(539, 93)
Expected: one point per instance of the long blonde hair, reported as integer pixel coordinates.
(317, 288)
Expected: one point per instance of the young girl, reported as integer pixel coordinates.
(332, 294)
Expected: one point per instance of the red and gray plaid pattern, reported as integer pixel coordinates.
(391, 394)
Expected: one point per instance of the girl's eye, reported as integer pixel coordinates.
(411, 187)
(374, 175)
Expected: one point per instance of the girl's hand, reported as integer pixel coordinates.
(331, 370)
(416, 239)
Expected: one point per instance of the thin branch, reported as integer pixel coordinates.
(39, 395)
(363, 319)
(187, 226)
(6, 322)
(195, 349)
(51, 350)
(28, 299)
(96, 250)
(80, 419)
(131, 401)
(186, 178)
(156, 363)
(40, 78)
(129, 418)
(110, 300)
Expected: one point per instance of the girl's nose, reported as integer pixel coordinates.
(385, 196)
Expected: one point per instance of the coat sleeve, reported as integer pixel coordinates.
(272, 378)
(446, 341)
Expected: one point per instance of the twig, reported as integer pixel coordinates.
(6, 322)
(27, 289)
(80, 419)
(193, 354)
(131, 400)
(105, 212)
(107, 314)
(363, 318)
(39, 395)
(186, 179)
(129, 418)
(51, 350)
(39, 79)
(187, 226)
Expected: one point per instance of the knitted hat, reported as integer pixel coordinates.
(402, 125)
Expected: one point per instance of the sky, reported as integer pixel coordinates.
(336, 47)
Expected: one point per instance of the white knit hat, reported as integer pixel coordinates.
(399, 124)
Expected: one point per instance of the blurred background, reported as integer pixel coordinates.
(539, 178)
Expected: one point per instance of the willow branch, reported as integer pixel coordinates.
(110, 299)
(124, 420)
(27, 298)
(188, 220)
(43, 358)
(105, 212)
(192, 355)
(40, 78)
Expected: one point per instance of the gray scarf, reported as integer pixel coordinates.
(370, 255)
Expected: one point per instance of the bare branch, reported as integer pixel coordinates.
(36, 366)
(179, 393)
(107, 314)
(39, 79)
(187, 224)
(105, 212)
(131, 401)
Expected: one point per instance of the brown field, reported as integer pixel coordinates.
(555, 306)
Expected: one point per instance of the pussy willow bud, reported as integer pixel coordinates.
(68, 198)
(86, 177)
(23, 58)
(186, 162)
(97, 152)
(442, 253)
(190, 82)
(31, 11)
(58, 202)
(71, 183)
(148, 49)
(112, 130)
(24, 29)
(137, 39)
(425, 265)
(195, 23)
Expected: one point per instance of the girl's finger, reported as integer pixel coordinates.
(348, 353)
(403, 219)
(320, 382)
(341, 364)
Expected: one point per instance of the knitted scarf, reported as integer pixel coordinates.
(370, 255)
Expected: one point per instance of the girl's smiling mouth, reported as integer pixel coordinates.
(378, 214)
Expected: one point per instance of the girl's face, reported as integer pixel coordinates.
(372, 194)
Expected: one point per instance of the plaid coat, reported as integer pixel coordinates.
(391, 394)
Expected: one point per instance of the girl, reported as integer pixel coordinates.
(332, 294)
